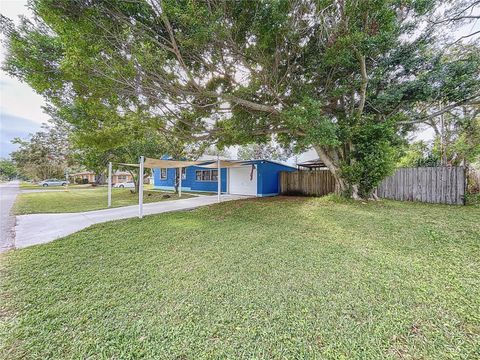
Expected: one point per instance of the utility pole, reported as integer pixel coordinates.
(110, 184)
(140, 189)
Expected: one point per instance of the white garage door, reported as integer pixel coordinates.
(240, 183)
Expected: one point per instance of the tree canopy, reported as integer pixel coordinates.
(44, 154)
(102, 135)
(344, 77)
(8, 170)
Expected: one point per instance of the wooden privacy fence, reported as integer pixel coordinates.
(310, 183)
(444, 185)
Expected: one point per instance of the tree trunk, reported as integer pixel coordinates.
(355, 194)
(135, 179)
(340, 184)
(443, 150)
(177, 181)
(100, 179)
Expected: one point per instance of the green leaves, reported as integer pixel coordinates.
(45, 154)
(372, 155)
(8, 170)
(307, 118)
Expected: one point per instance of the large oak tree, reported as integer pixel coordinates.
(341, 76)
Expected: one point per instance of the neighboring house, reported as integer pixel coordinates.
(121, 177)
(90, 177)
(257, 178)
(85, 177)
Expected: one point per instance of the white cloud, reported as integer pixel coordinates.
(13, 8)
(20, 100)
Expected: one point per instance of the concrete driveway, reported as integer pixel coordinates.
(8, 193)
(42, 228)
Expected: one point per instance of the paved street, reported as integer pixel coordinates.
(8, 192)
(42, 228)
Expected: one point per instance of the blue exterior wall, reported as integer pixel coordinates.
(268, 177)
(268, 174)
(189, 184)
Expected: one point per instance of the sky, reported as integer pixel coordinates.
(21, 108)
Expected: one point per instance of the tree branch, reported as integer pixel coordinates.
(363, 86)
(473, 100)
(466, 36)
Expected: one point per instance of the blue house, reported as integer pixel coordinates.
(255, 177)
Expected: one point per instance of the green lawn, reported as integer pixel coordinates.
(33, 186)
(273, 278)
(76, 200)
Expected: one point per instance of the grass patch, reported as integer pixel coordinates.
(473, 199)
(278, 278)
(31, 186)
(77, 200)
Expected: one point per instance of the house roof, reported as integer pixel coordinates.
(83, 173)
(313, 164)
(273, 162)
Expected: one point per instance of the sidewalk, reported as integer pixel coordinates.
(36, 229)
(8, 193)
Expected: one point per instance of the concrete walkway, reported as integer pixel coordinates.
(42, 228)
(8, 193)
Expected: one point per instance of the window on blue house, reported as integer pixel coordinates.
(206, 175)
(214, 175)
(163, 174)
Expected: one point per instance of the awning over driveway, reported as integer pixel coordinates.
(157, 163)
(176, 164)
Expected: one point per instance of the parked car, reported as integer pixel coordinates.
(122, 185)
(53, 182)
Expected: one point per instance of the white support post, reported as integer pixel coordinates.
(140, 189)
(219, 180)
(180, 182)
(109, 184)
(66, 180)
